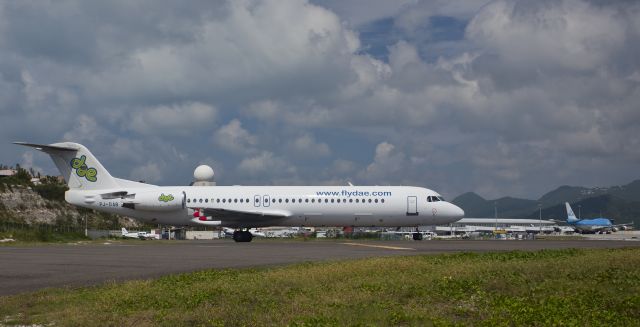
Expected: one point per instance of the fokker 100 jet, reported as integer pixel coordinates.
(243, 207)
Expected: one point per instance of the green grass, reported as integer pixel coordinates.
(550, 287)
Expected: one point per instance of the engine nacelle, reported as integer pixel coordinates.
(156, 201)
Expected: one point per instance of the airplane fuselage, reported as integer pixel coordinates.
(592, 225)
(295, 205)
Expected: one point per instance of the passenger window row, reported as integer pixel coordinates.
(286, 200)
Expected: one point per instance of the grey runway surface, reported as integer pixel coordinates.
(24, 269)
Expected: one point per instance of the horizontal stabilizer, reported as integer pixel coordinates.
(80, 169)
(47, 147)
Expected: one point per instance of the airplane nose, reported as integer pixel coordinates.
(456, 212)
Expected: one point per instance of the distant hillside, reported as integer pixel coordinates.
(571, 194)
(473, 204)
(22, 202)
(476, 206)
(620, 203)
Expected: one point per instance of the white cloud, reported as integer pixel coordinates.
(387, 163)
(248, 47)
(355, 13)
(85, 129)
(342, 166)
(181, 119)
(235, 139)
(306, 146)
(150, 173)
(266, 164)
(536, 94)
(417, 15)
(570, 34)
(299, 114)
(28, 162)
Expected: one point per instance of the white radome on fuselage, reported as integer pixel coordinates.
(91, 186)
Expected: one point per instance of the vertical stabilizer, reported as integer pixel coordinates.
(80, 169)
(571, 217)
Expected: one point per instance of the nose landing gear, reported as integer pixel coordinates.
(242, 236)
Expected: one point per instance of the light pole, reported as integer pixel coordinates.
(579, 211)
(495, 208)
(540, 217)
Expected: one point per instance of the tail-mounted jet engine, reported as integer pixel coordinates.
(155, 201)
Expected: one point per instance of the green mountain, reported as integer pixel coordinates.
(473, 204)
(476, 206)
(608, 206)
(619, 203)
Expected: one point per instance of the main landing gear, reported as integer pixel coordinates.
(417, 236)
(242, 236)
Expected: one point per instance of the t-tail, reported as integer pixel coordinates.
(80, 169)
(571, 217)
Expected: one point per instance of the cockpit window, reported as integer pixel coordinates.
(434, 198)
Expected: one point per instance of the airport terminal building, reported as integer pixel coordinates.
(507, 225)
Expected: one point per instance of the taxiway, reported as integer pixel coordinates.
(29, 268)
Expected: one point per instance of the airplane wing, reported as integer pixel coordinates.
(623, 226)
(249, 218)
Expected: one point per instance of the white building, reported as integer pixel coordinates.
(507, 225)
(8, 172)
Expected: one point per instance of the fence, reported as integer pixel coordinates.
(6, 226)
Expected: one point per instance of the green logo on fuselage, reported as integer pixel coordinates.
(82, 170)
(165, 198)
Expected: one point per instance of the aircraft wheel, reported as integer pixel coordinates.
(417, 236)
(248, 236)
(242, 236)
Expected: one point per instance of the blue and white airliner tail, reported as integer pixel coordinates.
(243, 207)
(571, 217)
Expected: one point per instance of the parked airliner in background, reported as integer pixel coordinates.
(139, 235)
(592, 225)
(242, 207)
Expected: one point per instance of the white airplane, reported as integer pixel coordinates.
(139, 235)
(243, 207)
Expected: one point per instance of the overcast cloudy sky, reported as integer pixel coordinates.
(500, 97)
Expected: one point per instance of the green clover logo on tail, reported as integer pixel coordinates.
(82, 170)
(165, 198)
